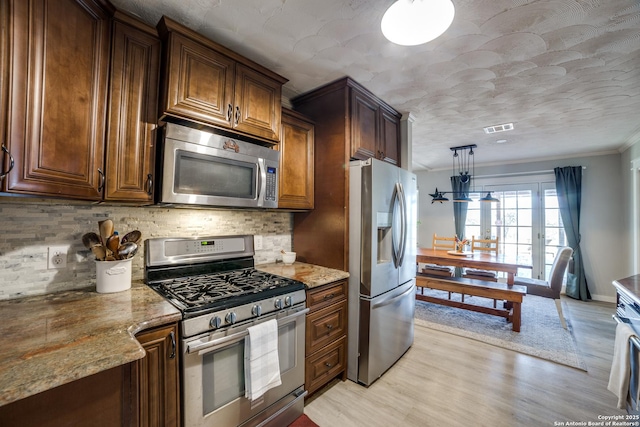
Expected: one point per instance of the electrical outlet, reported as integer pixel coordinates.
(57, 257)
(257, 242)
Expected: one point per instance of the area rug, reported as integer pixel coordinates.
(303, 421)
(541, 333)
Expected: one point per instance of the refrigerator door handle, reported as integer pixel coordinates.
(395, 248)
(403, 224)
(392, 298)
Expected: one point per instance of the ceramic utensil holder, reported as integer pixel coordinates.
(113, 276)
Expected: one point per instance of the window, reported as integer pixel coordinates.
(527, 225)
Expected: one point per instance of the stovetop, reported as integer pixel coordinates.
(212, 274)
(212, 292)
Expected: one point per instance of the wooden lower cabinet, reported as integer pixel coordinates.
(103, 399)
(326, 335)
(158, 378)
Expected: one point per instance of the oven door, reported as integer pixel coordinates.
(213, 375)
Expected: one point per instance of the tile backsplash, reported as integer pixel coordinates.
(28, 229)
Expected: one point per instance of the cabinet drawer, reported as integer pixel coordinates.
(325, 325)
(325, 365)
(326, 295)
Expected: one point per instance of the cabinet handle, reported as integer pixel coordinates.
(237, 114)
(329, 327)
(172, 335)
(149, 184)
(11, 162)
(229, 112)
(327, 364)
(329, 296)
(102, 181)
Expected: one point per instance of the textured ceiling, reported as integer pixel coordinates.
(565, 72)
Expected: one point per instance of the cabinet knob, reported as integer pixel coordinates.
(229, 112)
(237, 114)
(172, 335)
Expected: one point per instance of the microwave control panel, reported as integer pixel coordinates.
(272, 182)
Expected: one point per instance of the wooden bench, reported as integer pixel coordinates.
(480, 288)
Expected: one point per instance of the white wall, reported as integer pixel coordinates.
(605, 241)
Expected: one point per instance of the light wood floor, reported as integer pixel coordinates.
(445, 380)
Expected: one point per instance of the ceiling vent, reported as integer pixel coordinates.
(498, 128)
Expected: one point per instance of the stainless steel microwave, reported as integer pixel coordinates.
(208, 169)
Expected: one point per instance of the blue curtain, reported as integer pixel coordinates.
(569, 191)
(460, 186)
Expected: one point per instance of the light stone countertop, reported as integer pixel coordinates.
(53, 339)
(311, 275)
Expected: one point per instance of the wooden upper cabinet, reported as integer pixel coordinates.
(258, 104)
(375, 128)
(389, 138)
(207, 83)
(133, 106)
(198, 83)
(365, 126)
(296, 183)
(58, 72)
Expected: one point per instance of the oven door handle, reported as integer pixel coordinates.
(632, 339)
(200, 345)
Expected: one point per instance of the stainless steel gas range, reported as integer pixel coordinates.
(212, 280)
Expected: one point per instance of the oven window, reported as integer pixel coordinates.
(214, 176)
(287, 347)
(222, 377)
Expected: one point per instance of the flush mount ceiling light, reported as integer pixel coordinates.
(414, 22)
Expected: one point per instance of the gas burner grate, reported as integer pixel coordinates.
(208, 289)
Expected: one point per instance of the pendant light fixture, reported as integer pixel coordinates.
(463, 168)
(414, 22)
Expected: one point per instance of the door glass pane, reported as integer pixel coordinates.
(512, 222)
(287, 347)
(554, 235)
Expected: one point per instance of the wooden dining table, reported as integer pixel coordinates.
(476, 260)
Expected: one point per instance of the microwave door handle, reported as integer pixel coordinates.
(262, 180)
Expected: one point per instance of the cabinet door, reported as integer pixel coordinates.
(58, 81)
(199, 82)
(158, 377)
(133, 106)
(296, 162)
(388, 150)
(364, 125)
(4, 71)
(258, 104)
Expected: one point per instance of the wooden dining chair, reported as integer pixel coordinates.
(441, 243)
(487, 246)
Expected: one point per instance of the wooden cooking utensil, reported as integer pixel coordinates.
(99, 251)
(90, 240)
(132, 236)
(106, 230)
(113, 243)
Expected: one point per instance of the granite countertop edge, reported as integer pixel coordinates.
(62, 337)
(309, 274)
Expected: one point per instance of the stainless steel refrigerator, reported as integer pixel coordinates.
(382, 267)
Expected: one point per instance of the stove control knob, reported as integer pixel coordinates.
(256, 310)
(278, 304)
(288, 301)
(230, 317)
(215, 322)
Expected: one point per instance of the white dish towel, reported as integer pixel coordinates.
(261, 363)
(621, 366)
